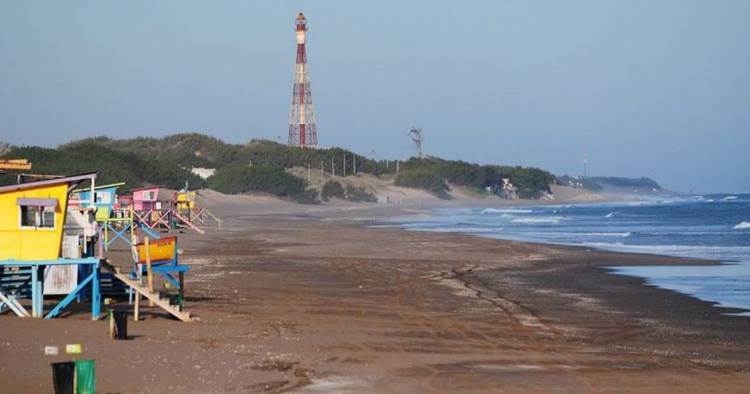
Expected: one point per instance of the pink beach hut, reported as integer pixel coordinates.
(152, 198)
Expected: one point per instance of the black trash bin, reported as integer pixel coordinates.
(62, 377)
(121, 324)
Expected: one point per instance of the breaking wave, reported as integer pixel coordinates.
(540, 220)
(491, 211)
(742, 226)
(589, 234)
(609, 215)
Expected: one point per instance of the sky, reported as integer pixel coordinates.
(639, 88)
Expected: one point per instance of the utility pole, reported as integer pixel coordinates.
(344, 170)
(333, 168)
(354, 166)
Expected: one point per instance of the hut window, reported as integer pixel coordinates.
(103, 197)
(47, 217)
(28, 216)
(38, 217)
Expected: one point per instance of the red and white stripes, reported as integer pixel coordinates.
(302, 131)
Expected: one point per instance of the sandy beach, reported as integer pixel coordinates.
(308, 299)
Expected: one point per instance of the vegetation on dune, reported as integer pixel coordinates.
(599, 184)
(635, 183)
(187, 149)
(261, 166)
(234, 179)
(200, 150)
(531, 182)
(113, 166)
(359, 194)
(332, 189)
(423, 178)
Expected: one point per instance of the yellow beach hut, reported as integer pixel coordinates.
(32, 217)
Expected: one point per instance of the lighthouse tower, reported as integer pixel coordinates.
(302, 117)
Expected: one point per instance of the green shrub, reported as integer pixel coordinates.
(332, 189)
(309, 196)
(424, 178)
(359, 194)
(239, 179)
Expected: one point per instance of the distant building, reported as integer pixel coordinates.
(507, 190)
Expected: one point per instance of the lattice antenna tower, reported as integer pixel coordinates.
(416, 137)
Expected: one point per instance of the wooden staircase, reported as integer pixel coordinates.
(14, 284)
(187, 223)
(163, 303)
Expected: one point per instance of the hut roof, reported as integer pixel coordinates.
(74, 179)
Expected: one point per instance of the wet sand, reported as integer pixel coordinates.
(313, 301)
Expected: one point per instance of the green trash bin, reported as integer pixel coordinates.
(85, 377)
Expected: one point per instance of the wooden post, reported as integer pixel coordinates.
(181, 276)
(111, 325)
(36, 293)
(137, 308)
(96, 295)
(149, 271)
(133, 239)
(100, 244)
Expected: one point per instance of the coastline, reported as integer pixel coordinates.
(309, 299)
(684, 278)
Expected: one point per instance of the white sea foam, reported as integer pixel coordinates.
(729, 198)
(491, 211)
(742, 226)
(539, 220)
(609, 215)
(463, 229)
(585, 234)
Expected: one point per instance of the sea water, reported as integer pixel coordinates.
(713, 227)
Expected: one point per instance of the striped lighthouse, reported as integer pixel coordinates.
(302, 117)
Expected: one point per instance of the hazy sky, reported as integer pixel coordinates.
(640, 88)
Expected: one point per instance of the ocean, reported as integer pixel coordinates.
(713, 227)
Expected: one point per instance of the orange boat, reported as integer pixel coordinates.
(159, 249)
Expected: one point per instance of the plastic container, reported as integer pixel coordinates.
(121, 324)
(62, 377)
(85, 376)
